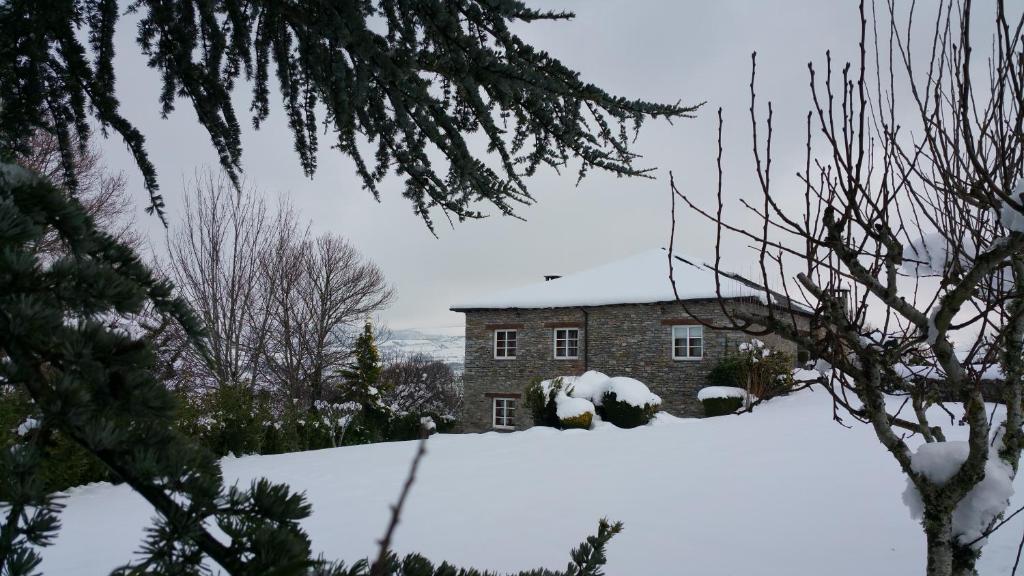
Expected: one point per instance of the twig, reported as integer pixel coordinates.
(379, 566)
(1017, 561)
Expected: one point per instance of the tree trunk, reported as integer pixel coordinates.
(945, 556)
(938, 528)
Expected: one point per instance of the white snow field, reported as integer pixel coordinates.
(784, 490)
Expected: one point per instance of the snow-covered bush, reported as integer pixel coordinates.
(721, 400)
(573, 412)
(623, 401)
(628, 403)
(556, 404)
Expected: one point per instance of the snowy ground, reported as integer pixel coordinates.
(781, 491)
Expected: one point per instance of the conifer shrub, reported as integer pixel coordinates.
(579, 421)
(721, 406)
(541, 402)
(624, 414)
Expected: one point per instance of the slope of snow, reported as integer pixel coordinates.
(446, 345)
(783, 490)
(639, 279)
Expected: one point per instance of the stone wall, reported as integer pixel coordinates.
(632, 340)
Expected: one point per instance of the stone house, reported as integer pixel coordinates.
(621, 318)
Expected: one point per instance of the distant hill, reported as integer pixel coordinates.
(445, 344)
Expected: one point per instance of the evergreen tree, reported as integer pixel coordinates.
(405, 79)
(362, 378)
(363, 373)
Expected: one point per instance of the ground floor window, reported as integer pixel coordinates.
(504, 413)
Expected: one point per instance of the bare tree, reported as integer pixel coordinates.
(214, 258)
(419, 383)
(278, 306)
(320, 289)
(101, 192)
(340, 288)
(911, 254)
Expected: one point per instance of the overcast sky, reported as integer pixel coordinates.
(691, 51)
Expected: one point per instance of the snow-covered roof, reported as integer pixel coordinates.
(639, 279)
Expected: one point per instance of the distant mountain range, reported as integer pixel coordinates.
(445, 344)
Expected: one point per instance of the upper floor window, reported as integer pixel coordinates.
(687, 342)
(567, 343)
(505, 344)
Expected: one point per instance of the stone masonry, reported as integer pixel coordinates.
(632, 340)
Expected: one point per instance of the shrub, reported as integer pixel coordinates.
(65, 463)
(580, 421)
(540, 401)
(405, 427)
(409, 426)
(730, 371)
(445, 424)
(721, 406)
(368, 426)
(762, 372)
(624, 414)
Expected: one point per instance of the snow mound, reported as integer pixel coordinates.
(590, 385)
(632, 392)
(570, 407)
(802, 375)
(721, 392)
(939, 462)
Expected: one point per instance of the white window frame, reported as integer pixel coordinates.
(687, 328)
(510, 421)
(554, 342)
(494, 347)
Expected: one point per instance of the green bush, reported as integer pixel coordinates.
(404, 427)
(623, 414)
(730, 371)
(581, 421)
(542, 406)
(721, 406)
(368, 426)
(445, 424)
(763, 372)
(232, 420)
(65, 464)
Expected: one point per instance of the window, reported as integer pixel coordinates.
(567, 343)
(803, 356)
(505, 344)
(687, 342)
(504, 412)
